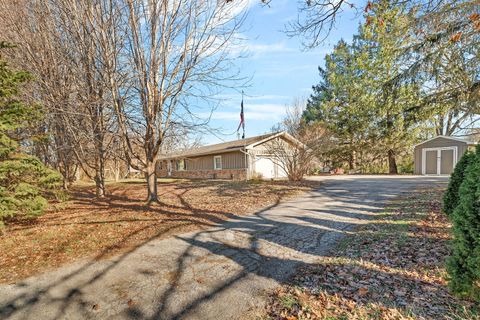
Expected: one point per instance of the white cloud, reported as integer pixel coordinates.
(267, 97)
(282, 71)
(258, 49)
(250, 49)
(236, 97)
(255, 112)
(269, 108)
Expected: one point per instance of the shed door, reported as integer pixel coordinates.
(431, 162)
(446, 161)
(439, 160)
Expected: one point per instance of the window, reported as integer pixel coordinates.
(217, 162)
(181, 165)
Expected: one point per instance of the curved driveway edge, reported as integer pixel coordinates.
(220, 273)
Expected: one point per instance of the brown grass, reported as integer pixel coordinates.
(85, 227)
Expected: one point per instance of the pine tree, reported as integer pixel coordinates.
(24, 180)
(451, 197)
(358, 99)
(339, 102)
(464, 264)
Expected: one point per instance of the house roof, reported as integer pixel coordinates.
(449, 138)
(236, 145)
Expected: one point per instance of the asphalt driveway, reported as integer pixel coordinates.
(220, 273)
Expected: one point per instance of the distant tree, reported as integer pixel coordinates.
(382, 40)
(338, 103)
(451, 197)
(355, 98)
(464, 264)
(442, 53)
(24, 179)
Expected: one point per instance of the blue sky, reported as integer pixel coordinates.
(280, 69)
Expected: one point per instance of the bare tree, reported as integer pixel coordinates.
(62, 49)
(312, 140)
(178, 53)
(29, 24)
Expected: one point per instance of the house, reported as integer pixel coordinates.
(237, 160)
(439, 155)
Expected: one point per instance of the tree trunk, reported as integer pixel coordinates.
(352, 161)
(65, 183)
(100, 170)
(392, 162)
(99, 186)
(151, 177)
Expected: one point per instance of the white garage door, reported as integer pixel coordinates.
(268, 169)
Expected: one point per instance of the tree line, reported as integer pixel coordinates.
(118, 81)
(407, 74)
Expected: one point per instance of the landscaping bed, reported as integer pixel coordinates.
(392, 268)
(86, 227)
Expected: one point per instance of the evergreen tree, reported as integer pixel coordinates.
(385, 38)
(339, 101)
(451, 197)
(464, 264)
(358, 98)
(24, 180)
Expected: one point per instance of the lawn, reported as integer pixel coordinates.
(393, 268)
(85, 227)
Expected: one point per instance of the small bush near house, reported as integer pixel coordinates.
(464, 264)
(451, 197)
(405, 166)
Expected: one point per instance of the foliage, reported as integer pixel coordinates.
(24, 180)
(371, 119)
(378, 100)
(388, 269)
(464, 264)
(451, 197)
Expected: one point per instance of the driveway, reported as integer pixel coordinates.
(221, 273)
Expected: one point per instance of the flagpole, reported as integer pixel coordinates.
(245, 144)
(243, 123)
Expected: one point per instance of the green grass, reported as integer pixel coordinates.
(288, 301)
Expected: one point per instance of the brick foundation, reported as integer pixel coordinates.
(229, 174)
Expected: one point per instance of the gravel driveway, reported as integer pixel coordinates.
(220, 273)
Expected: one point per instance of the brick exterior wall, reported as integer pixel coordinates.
(229, 174)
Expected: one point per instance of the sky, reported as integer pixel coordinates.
(279, 67)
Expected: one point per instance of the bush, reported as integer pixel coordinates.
(464, 264)
(451, 197)
(25, 181)
(406, 166)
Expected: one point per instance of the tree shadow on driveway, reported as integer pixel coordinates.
(214, 273)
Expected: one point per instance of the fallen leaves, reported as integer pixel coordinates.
(392, 268)
(85, 227)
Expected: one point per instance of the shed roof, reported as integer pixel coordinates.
(229, 146)
(468, 142)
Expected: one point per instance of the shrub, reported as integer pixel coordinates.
(24, 180)
(464, 264)
(451, 197)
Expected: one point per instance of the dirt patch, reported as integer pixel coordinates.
(392, 268)
(85, 227)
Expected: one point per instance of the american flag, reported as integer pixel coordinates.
(242, 120)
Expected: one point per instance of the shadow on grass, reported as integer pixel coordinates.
(308, 234)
